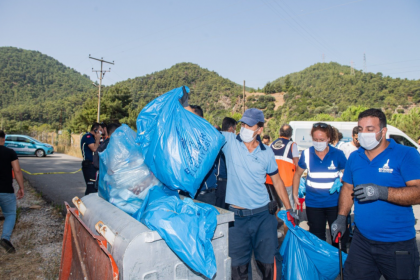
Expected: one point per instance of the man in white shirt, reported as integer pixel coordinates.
(352, 146)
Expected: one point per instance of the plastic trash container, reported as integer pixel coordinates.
(141, 253)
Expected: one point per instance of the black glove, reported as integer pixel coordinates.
(339, 225)
(294, 217)
(184, 99)
(370, 192)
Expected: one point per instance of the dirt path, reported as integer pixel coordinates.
(37, 237)
(278, 96)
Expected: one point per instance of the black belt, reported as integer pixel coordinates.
(221, 179)
(207, 191)
(247, 212)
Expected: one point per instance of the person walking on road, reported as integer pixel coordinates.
(89, 144)
(384, 178)
(323, 163)
(9, 162)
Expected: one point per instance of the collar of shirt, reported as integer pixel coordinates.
(391, 146)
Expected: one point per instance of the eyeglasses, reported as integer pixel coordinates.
(322, 125)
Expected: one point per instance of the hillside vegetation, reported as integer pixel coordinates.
(37, 90)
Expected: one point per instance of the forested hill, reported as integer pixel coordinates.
(330, 88)
(123, 101)
(37, 88)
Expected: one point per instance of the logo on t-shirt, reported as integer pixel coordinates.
(278, 145)
(385, 168)
(88, 136)
(332, 166)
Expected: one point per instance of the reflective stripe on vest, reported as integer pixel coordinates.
(318, 175)
(286, 152)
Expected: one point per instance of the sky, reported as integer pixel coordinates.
(253, 40)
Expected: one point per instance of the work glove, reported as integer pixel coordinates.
(292, 216)
(370, 192)
(184, 99)
(302, 187)
(336, 187)
(339, 225)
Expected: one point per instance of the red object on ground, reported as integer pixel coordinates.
(84, 254)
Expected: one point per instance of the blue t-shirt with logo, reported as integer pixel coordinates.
(247, 172)
(321, 177)
(381, 220)
(87, 139)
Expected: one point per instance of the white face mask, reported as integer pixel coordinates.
(100, 132)
(319, 146)
(368, 140)
(247, 135)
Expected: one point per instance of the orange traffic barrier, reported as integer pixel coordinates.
(84, 254)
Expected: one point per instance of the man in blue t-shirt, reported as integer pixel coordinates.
(89, 144)
(385, 179)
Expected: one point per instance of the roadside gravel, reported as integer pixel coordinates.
(37, 237)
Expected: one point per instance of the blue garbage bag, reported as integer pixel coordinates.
(124, 178)
(336, 187)
(302, 187)
(187, 227)
(307, 257)
(179, 147)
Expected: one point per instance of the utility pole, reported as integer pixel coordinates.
(243, 109)
(352, 69)
(364, 63)
(101, 75)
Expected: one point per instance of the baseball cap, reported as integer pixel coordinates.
(252, 116)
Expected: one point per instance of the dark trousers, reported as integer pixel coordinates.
(370, 259)
(317, 219)
(221, 195)
(256, 233)
(208, 197)
(89, 174)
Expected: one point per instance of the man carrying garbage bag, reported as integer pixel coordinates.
(255, 228)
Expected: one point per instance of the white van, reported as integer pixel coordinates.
(302, 133)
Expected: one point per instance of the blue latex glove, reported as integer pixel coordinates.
(336, 186)
(302, 187)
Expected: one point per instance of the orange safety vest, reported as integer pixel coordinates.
(284, 158)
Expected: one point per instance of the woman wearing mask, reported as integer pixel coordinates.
(324, 163)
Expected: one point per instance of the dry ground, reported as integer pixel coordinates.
(37, 237)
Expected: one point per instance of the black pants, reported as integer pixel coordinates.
(317, 219)
(370, 259)
(221, 195)
(89, 174)
(207, 197)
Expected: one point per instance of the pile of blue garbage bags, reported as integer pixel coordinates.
(141, 174)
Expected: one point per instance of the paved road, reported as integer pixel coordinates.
(56, 188)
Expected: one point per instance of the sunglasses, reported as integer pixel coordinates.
(322, 125)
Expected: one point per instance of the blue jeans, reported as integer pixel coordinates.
(8, 207)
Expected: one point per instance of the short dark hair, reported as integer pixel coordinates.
(112, 127)
(2, 134)
(376, 113)
(104, 125)
(228, 123)
(94, 126)
(340, 136)
(260, 124)
(266, 136)
(286, 130)
(356, 131)
(198, 110)
(418, 138)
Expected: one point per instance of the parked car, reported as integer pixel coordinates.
(302, 133)
(25, 145)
